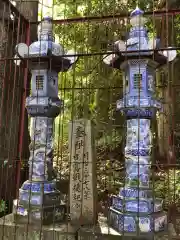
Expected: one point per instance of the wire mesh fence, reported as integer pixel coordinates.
(89, 124)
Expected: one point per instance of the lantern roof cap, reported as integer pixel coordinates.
(136, 12)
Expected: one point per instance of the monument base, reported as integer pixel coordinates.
(10, 231)
(39, 216)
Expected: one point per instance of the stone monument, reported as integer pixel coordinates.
(134, 211)
(82, 172)
(39, 200)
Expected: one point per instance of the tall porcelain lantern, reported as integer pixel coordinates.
(134, 211)
(39, 200)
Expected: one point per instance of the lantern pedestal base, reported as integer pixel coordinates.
(43, 215)
(135, 224)
(39, 203)
(103, 231)
(39, 194)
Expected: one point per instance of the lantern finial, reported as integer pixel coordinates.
(137, 18)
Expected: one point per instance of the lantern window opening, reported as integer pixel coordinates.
(137, 80)
(39, 82)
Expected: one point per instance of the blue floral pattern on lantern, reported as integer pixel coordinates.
(134, 203)
(138, 134)
(126, 223)
(135, 193)
(38, 186)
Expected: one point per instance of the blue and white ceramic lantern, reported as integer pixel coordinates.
(134, 210)
(39, 200)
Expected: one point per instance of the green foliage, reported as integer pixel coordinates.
(2, 206)
(168, 187)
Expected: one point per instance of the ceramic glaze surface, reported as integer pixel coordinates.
(38, 196)
(132, 223)
(135, 210)
(40, 107)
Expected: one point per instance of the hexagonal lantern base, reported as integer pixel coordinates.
(141, 225)
(39, 203)
(39, 215)
(146, 205)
